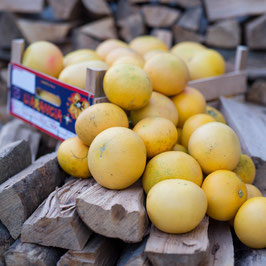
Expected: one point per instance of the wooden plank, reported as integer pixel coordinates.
(22, 194)
(22, 6)
(56, 222)
(255, 32)
(17, 49)
(221, 249)
(5, 242)
(164, 35)
(249, 123)
(221, 9)
(190, 19)
(37, 30)
(181, 249)
(14, 157)
(30, 254)
(131, 26)
(224, 85)
(18, 130)
(98, 251)
(8, 29)
(257, 92)
(65, 9)
(160, 16)
(121, 212)
(183, 35)
(241, 58)
(94, 82)
(97, 7)
(224, 34)
(133, 255)
(101, 29)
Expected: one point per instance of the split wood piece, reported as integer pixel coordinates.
(245, 256)
(224, 34)
(5, 117)
(21, 194)
(5, 242)
(36, 30)
(182, 249)
(65, 9)
(164, 35)
(190, 19)
(30, 254)
(18, 130)
(22, 6)
(255, 32)
(131, 26)
(124, 9)
(221, 249)
(14, 157)
(114, 213)
(56, 222)
(83, 41)
(257, 92)
(252, 137)
(160, 16)
(8, 29)
(97, 7)
(220, 9)
(98, 251)
(256, 73)
(133, 255)
(182, 3)
(182, 35)
(101, 29)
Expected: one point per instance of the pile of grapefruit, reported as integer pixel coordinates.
(158, 129)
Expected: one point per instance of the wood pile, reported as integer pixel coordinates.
(48, 218)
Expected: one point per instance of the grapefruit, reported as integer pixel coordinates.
(117, 158)
(252, 191)
(217, 115)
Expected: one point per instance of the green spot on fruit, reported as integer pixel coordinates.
(102, 149)
(240, 193)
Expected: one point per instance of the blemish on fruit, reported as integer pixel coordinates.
(240, 193)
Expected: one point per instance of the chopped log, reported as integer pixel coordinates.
(221, 249)
(255, 32)
(98, 251)
(224, 34)
(97, 7)
(56, 222)
(190, 19)
(101, 29)
(14, 157)
(256, 73)
(8, 29)
(37, 30)
(133, 255)
(81, 40)
(5, 117)
(121, 212)
(131, 27)
(182, 249)
(22, 6)
(18, 130)
(30, 254)
(160, 16)
(23, 193)
(182, 35)
(221, 9)
(252, 137)
(124, 9)
(65, 9)
(164, 35)
(182, 3)
(5, 242)
(257, 92)
(245, 256)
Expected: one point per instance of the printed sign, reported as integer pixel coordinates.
(45, 102)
